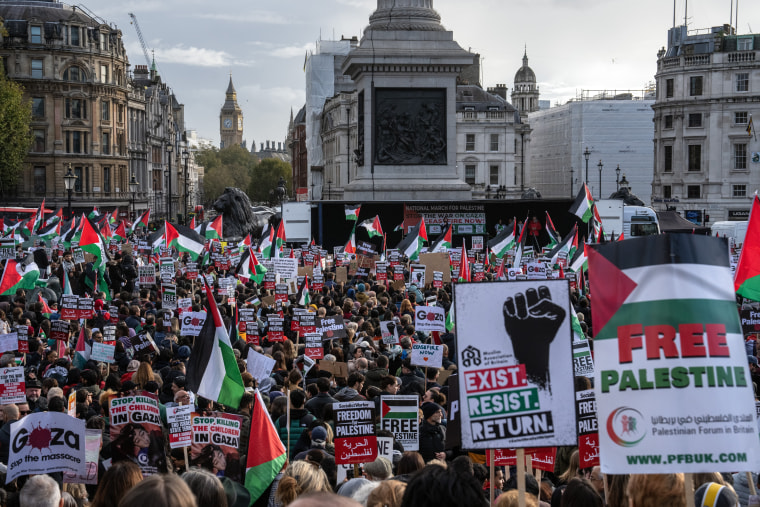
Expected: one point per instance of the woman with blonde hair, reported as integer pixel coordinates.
(160, 490)
(572, 471)
(298, 479)
(387, 494)
(143, 375)
(654, 490)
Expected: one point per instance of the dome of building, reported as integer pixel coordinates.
(525, 74)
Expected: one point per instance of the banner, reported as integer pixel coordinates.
(192, 323)
(508, 396)
(542, 458)
(331, 327)
(355, 440)
(400, 415)
(673, 389)
(427, 355)
(46, 442)
(287, 268)
(216, 439)
(136, 432)
(314, 348)
(12, 385)
(275, 328)
(389, 332)
(430, 318)
(180, 426)
(259, 365)
(169, 296)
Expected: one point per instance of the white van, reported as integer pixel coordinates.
(731, 229)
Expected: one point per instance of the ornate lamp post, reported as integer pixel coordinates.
(586, 155)
(600, 166)
(169, 150)
(69, 180)
(186, 157)
(133, 184)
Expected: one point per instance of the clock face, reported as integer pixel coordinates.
(228, 123)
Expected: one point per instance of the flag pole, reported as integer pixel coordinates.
(287, 418)
(490, 476)
(689, 489)
(520, 455)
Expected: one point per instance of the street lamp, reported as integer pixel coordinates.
(169, 150)
(329, 189)
(624, 182)
(617, 178)
(501, 192)
(186, 157)
(586, 155)
(69, 180)
(600, 166)
(133, 184)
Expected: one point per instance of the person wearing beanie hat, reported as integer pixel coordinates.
(712, 494)
(432, 433)
(378, 470)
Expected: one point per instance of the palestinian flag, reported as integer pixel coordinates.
(250, 268)
(18, 275)
(91, 241)
(393, 408)
(504, 241)
(212, 371)
(58, 217)
(106, 232)
(184, 239)
(46, 310)
(83, 351)
(265, 243)
(350, 247)
(48, 232)
(373, 227)
(464, 267)
(747, 278)
(213, 229)
(442, 242)
(598, 229)
(39, 218)
(266, 454)
(352, 212)
(564, 246)
(140, 222)
(520, 244)
(280, 239)
(399, 227)
(554, 236)
(303, 293)
(113, 218)
(245, 244)
(94, 214)
(450, 322)
(667, 338)
(120, 234)
(582, 205)
(411, 245)
(580, 261)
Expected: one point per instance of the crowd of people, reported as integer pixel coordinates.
(438, 473)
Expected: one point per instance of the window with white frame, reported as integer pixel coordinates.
(494, 142)
(745, 43)
(742, 82)
(739, 191)
(469, 173)
(493, 175)
(740, 155)
(35, 33)
(740, 117)
(469, 144)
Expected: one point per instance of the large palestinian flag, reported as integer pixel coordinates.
(442, 242)
(673, 389)
(411, 245)
(184, 239)
(582, 205)
(266, 454)
(18, 275)
(504, 241)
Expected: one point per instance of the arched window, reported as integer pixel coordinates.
(75, 73)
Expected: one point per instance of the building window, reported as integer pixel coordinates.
(38, 107)
(740, 117)
(667, 191)
(104, 41)
(669, 88)
(745, 43)
(740, 156)
(40, 180)
(36, 34)
(695, 85)
(469, 142)
(494, 142)
(469, 174)
(695, 119)
(38, 145)
(695, 157)
(105, 145)
(668, 121)
(107, 180)
(76, 142)
(105, 110)
(668, 159)
(104, 73)
(494, 175)
(74, 36)
(37, 68)
(74, 73)
(76, 109)
(740, 190)
(120, 110)
(693, 191)
(78, 183)
(742, 82)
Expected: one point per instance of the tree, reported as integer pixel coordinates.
(266, 174)
(228, 167)
(15, 136)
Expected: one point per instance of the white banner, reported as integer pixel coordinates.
(46, 442)
(511, 336)
(8, 342)
(430, 318)
(259, 365)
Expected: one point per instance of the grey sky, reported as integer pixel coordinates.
(573, 45)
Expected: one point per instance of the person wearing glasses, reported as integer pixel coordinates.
(597, 480)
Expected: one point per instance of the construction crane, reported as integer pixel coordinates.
(139, 36)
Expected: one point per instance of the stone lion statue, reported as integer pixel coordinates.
(240, 218)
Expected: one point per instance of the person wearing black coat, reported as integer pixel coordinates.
(432, 433)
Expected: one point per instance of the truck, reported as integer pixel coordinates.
(733, 229)
(618, 217)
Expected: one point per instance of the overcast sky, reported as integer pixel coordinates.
(573, 45)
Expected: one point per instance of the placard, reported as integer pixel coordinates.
(331, 327)
(69, 307)
(59, 330)
(437, 280)
(9, 342)
(314, 348)
(192, 323)
(588, 430)
(102, 352)
(109, 333)
(136, 432)
(191, 270)
(216, 439)
(507, 395)
(355, 439)
(381, 272)
(12, 385)
(259, 365)
(180, 426)
(536, 270)
(307, 323)
(337, 368)
(146, 275)
(400, 415)
(285, 267)
(275, 328)
(169, 296)
(281, 292)
(143, 343)
(430, 318)
(389, 332)
(398, 272)
(437, 261)
(93, 440)
(427, 355)
(7, 249)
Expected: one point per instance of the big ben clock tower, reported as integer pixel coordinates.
(231, 119)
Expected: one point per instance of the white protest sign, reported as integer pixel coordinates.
(389, 331)
(180, 427)
(8, 342)
(427, 355)
(287, 268)
(102, 352)
(417, 275)
(507, 397)
(192, 322)
(259, 365)
(92, 439)
(46, 442)
(399, 415)
(430, 318)
(536, 271)
(12, 385)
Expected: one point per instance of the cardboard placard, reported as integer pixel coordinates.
(341, 274)
(437, 261)
(337, 368)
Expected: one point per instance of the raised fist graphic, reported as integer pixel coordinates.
(531, 321)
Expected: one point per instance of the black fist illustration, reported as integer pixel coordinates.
(532, 321)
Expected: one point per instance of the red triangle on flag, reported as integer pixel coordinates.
(384, 408)
(611, 288)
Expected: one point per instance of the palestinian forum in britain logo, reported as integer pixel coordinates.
(624, 426)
